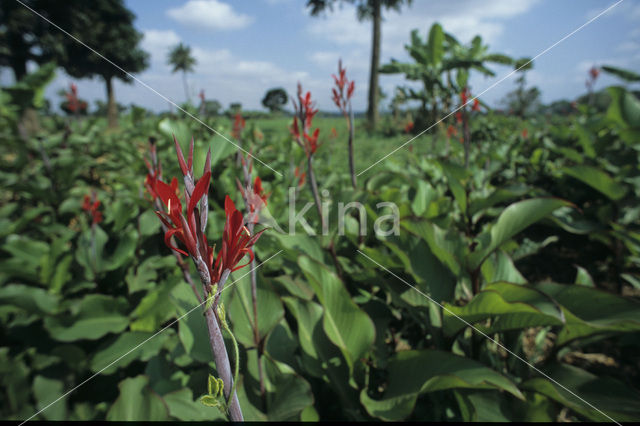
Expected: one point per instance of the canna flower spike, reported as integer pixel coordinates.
(90, 205)
(188, 227)
(237, 241)
(304, 113)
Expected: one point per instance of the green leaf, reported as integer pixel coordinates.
(31, 299)
(346, 325)
(192, 329)
(269, 308)
(435, 44)
(624, 107)
(221, 149)
(616, 399)
(319, 357)
(46, 391)
(125, 342)
(598, 180)
(512, 306)
(424, 194)
(170, 128)
(137, 402)
(411, 373)
(183, 407)
(611, 313)
(95, 316)
(626, 75)
(514, 219)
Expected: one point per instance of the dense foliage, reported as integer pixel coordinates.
(536, 243)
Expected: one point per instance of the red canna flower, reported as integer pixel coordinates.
(459, 117)
(408, 127)
(476, 105)
(91, 204)
(594, 73)
(188, 228)
(525, 133)
(238, 126)
(464, 96)
(312, 141)
(340, 98)
(255, 198)
(451, 131)
(72, 99)
(236, 241)
(154, 171)
(304, 113)
(301, 176)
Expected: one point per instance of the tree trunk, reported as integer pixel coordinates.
(112, 112)
(372, 111)
(186, 88)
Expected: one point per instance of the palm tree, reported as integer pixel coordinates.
(181, 59)
(367, 9)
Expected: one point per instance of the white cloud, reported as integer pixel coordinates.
(465, 19)
(158, 43)
(210, 15)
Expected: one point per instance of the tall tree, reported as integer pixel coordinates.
(275, 99)
(106, 26)
(367, 10)
(182, 60)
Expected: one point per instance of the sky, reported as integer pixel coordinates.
(245, 48)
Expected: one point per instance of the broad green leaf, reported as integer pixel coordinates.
(192, 328)
(624, 107)
(156, 308)
(424, 194)
(514, 219)
(435, 44)
(31, 299)
(598, 180)
(269, 308)
(93, 317)
(46, 391)
(446, 245)
(584, 318)
(170, 128)
(183, 407)
(221, 149)
(499, 267)
(125, 349)
(411, 373)
(595, 395)
(319, 357)
(624, 74)
(137, 402)
(346, 325)
(512, 306)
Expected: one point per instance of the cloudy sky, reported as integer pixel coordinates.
(245, 48)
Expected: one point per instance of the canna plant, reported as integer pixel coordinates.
(304, 113)
(189, 229)
(255, 199)
(342, 94)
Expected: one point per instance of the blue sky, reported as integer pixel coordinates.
(245, 48)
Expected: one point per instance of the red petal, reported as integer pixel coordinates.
(202, 187)
(183, 165)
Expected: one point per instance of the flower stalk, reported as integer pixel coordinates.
(342, 94)
(255, 199)
(189, 230)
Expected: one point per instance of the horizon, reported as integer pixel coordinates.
(240, 55)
